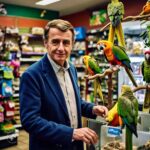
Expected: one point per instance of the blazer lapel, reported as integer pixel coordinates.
(53, 83)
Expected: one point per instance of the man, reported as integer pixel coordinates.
(50, 103)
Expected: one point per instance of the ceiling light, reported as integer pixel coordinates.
(46, 2)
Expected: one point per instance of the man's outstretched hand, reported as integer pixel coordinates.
(100, 110)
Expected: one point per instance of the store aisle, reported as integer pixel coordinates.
(23, 141)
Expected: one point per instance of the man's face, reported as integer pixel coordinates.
(59, 45)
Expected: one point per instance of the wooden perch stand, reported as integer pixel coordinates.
(108, 72)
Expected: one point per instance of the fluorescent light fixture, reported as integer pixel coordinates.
(46, 2)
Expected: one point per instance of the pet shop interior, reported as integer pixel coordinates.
(120, 27)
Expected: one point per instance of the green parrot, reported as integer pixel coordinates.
(93, 68)
(146, 78)
(116, 56)
(115, 12)
(128, 111)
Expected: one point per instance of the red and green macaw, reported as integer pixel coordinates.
(93, 68)
(113, 117)
(116, 56)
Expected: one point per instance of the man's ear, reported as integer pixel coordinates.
(45, 43)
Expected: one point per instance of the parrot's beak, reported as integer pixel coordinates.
(83, 60)
(147, 56)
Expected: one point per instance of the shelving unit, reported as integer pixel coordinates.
(32, 49)
(9, 140)
(18, 54)
(76, 58)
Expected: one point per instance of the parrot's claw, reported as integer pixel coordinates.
(86, 76)
(114, 68)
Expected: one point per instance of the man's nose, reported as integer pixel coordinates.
(61, 46)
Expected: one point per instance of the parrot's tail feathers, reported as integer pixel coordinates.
(120, 35)
(132, 127)
(131, 76)
(111, 33)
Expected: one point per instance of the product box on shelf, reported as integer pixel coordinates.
(80, 33)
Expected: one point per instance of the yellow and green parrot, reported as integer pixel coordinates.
(93, 68)
(128, 111)
(146, 77)
(115, 11)
(116, 56)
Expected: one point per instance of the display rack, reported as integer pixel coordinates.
(9, 140)
(110, 134)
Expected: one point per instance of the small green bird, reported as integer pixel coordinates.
(146, 77)
(93, 68)
(115, 12)
(128, 111)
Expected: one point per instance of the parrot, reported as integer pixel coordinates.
(113, 118)
(145, 67)
(93, 68)
(116, 55)
(146, 8)
(128, 111)
(115, 11)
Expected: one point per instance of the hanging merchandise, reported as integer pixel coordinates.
(80, 33)
(16, 65)
(6, 88)
(6, 81)
(7, 73)
(7, 128)
(1, 113)
(9, 109)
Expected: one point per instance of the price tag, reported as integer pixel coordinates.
(114, 132)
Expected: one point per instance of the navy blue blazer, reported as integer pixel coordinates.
(43, 109)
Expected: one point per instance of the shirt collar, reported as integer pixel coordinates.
(57, 67)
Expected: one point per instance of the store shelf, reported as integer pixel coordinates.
(16, 95)
(11, 136)
(18, 126)
(29, 59)
(32, 53)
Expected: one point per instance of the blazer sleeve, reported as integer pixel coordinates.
(30, 104)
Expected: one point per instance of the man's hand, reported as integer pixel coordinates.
(100, 110)
(86, 135)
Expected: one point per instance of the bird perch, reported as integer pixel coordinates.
(108, 72)
(130, 18)
(140, 87)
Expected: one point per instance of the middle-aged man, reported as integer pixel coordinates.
(50, 102)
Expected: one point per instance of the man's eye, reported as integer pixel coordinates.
(55, 42)
(66, 42)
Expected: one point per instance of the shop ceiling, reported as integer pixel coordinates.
(65, 7)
